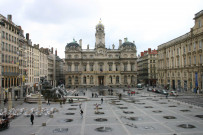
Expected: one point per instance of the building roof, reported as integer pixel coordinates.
(73, 44)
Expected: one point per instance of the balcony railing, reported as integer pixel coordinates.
(10, 74)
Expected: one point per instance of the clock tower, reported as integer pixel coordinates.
(100, 36)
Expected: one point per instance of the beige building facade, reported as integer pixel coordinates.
(101, 66)
(180, 60)
(10, 34)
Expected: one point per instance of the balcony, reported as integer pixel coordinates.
(10, 74)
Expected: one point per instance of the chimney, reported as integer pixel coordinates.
(149, 50)
(52, 50)
(125, 39)
(142, 54)
(9, 17)
(80, 42)
(56, 52)
(27, 36)
(120, 42)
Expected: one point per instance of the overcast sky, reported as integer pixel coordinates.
(54, 23)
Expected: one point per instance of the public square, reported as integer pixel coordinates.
(144, 113)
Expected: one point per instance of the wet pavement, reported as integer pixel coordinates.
(141, 114)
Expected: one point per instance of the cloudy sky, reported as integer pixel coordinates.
(54, 23)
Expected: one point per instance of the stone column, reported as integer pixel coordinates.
(88, 66)
(113, 67)
(128, 66)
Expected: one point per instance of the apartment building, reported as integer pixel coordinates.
(51, 68)
(180, 60)
(147, 67)
(10, 35)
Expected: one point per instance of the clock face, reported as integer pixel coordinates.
(100, 51)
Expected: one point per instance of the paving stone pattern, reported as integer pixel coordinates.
(153, 116)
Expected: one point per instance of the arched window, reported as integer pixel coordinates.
(117, 79)
(84, 80)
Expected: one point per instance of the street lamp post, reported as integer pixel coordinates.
(39, 100)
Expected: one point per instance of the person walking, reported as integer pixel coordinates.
(32, 118)
(80, 105)
(166, 95)
(97, 107)
(102, 100)
(81, 113)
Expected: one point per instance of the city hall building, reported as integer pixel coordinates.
(101, 66)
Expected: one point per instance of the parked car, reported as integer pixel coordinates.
(173, 93)
(153, 90)
(164, 92)
(149, 89)
(157, 91)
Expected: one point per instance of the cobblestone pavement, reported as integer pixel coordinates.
(142, 114)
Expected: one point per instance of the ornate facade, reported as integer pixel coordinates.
(180, 60)
(101, 66)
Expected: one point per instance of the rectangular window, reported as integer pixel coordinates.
(2, 46)
(6, 35)
(172, 63)
(200, 44)
(2, 57)
(190, 60)
(194, 46)
(84, 68)
(101, 68)
(200, 59)
(76, 67)
(195, 60)
(91, 68)
(110, 67)
(132, 67)
(69, 67)
(116, 67)
(6, 58)
(3, 34)
(125, 67)
(184, 49)
(184, 61)
(189, 48)
(199, 24)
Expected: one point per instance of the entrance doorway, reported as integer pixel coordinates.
(173, 84)
(101, 80)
